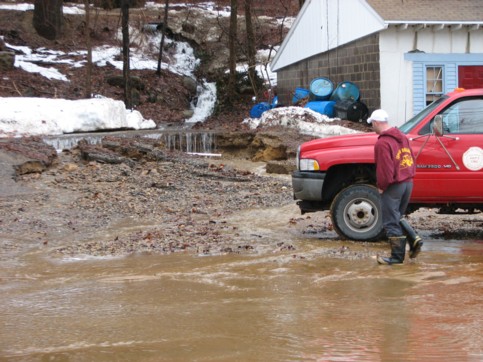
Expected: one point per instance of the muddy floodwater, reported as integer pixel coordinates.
(182, 261)
(263, 306)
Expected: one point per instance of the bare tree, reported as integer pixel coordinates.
(161, 45)
(232, 40)
(125, 53)
(251, 46)
(48, 18)
(88, 87)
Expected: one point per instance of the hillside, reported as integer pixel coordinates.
(165, 98)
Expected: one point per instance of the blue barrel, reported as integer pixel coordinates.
(345, 91)
(274, 102)
(322, 107)
(300, 93)
(258, 109)
(321, 88)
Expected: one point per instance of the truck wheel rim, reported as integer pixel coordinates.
(360, 214)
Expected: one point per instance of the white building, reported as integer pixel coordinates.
(402, 54)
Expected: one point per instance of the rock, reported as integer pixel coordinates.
(70, 167)
(32, 154)
(188, 113)
(7, 60)
(269, 147)
(118, 81)
(190, 84)
(270, 153)
(30, 166)
(188, 28)
(136, 147)
(281, 167)
(100, 154)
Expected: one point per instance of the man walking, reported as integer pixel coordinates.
(395, 169)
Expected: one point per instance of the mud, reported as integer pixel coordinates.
(175, 203)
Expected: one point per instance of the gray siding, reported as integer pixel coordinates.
(357, 62)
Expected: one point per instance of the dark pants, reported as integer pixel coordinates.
(394, 201)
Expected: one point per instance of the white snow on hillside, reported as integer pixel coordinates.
(45, 116)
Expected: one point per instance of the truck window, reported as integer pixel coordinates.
(418, 118)
(464, 117)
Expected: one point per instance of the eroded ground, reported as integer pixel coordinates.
(170, 202)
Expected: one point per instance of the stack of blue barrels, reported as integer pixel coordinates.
(348, 105)
(342, 102)
(321, 89)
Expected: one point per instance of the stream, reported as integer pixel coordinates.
(264, 306)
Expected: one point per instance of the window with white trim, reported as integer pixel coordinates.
(434, 83)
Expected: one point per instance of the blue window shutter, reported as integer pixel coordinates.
(450, 77)
(418, 87)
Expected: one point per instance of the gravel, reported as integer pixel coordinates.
(178, 203)
(158, 207)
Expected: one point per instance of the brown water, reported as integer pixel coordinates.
(261, 307)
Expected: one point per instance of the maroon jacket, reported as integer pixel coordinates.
(395, 161)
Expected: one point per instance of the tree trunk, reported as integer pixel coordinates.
(48, 18)
(165, 24)
(88, 88)
(252, 74)
(125, 54)
(232, 49)
(301, 3)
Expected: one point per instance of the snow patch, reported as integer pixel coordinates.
(45, 116)
(305, 120)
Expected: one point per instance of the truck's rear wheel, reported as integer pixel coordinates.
(356, 213)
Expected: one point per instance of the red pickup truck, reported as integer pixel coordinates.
(338, 173)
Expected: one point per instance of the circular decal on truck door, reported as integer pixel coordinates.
(473, 159)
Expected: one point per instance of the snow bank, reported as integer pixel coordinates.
(305, 120)
(45, 116)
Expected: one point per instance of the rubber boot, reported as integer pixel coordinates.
(415, 241)
(398, 250)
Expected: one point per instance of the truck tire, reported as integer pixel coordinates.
(356, 213)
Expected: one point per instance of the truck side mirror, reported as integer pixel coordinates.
(438, 125)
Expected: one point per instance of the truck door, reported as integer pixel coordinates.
(450, 166)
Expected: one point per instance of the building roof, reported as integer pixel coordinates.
(322, 25)
(429, 10)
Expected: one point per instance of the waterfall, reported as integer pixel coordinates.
(184, 141)
(190, 142)
(66, 142)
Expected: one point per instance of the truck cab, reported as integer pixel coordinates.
(338, 173)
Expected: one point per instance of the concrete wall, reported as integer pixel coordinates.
(357, 62)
